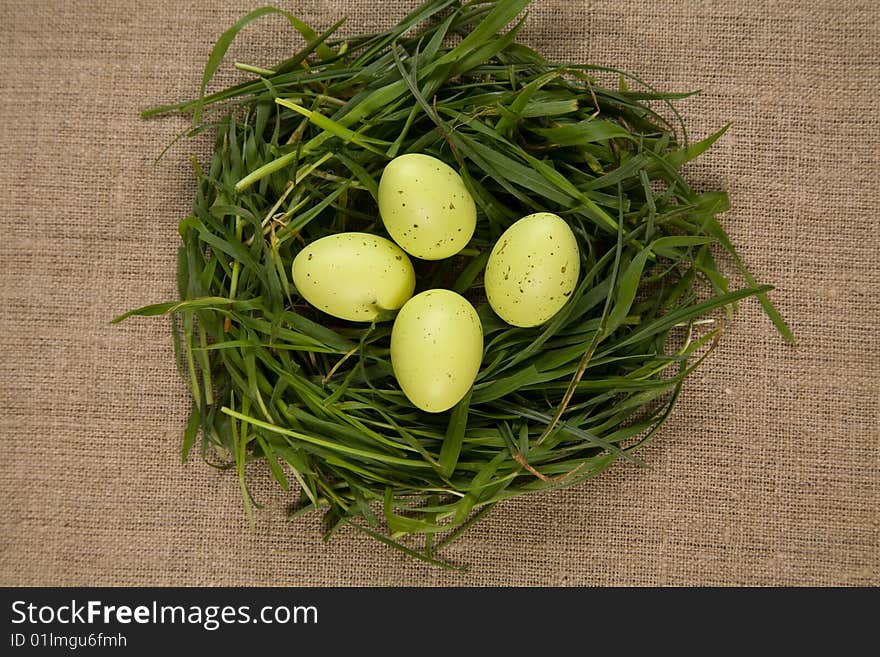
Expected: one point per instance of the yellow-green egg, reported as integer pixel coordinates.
(354, 276)
(532, 270)
(426, 207)
(436, 349)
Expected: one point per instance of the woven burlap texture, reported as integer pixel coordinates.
(767, 474)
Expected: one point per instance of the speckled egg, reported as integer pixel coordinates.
(426, 207)
(436, 349)
(532, 269)
(354, 276)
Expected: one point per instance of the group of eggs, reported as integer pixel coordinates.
(437, 337)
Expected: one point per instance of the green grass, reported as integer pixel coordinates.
(298, 154)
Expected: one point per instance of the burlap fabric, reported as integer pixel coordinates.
(768, 472)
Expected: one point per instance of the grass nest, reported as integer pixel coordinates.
(298, 154)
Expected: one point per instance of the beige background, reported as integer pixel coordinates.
(768, 472)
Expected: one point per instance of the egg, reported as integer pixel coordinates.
(354, 276)
(426, 207)
(436, 349)
(532, 269)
